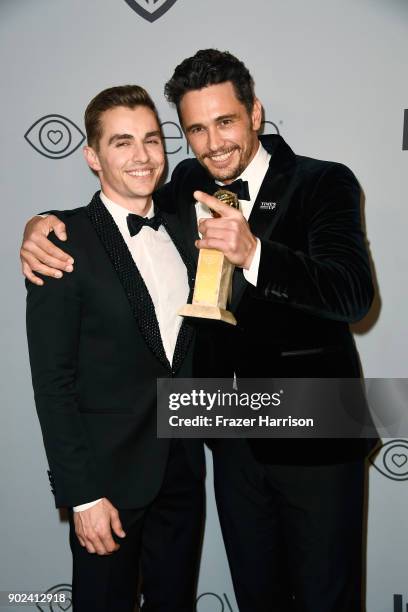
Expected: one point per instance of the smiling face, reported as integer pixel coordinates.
(129, 158)
(219, 129)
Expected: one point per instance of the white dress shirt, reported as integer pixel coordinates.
(164, 274)
(254, 173)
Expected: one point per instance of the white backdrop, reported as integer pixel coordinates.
(332, 75)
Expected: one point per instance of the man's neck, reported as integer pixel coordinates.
(128, 207)
(139, 206)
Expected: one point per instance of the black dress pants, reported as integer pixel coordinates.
(159, 555)
(293, 534)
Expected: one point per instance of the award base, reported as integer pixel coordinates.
(208, 312)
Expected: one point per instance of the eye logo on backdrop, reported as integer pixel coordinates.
(54, 136)
(150, 9)
(218, 603)
(392, 460)
(61, 599)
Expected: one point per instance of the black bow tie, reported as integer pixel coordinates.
(136, 222)
(239, 187)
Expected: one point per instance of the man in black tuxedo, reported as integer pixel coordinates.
(291, 511)
(98, 340)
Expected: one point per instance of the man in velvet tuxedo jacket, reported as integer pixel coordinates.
(291, 511)
(98, 340)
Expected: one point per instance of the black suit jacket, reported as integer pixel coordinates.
(96, 352)
(314, 279)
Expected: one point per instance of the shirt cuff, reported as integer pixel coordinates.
(251, 274)
(82, 507)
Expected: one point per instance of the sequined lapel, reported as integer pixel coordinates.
(136, 291)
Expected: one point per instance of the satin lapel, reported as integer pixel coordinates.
(133, 284)
(188, 220)
(271, 203)
(185, 335)
(186, 208)
(172, 224)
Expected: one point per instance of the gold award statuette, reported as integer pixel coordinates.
(213, 282)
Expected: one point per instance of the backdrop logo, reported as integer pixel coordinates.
(405, 133)
(218, 603)
(61, 599)
(54, 136)
(150, 9)
(392, 460)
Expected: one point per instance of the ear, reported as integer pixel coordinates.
(92, 159)
(256, 115)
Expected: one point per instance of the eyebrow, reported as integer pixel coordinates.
(217, 120)
(229, 116)
(154, 133)
(116, 137)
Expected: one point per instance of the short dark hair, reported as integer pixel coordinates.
(129, 96)
(210, 67)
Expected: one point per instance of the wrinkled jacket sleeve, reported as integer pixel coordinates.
(332, 278)
(53, 319)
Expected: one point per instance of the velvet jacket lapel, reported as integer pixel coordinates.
(270, 204)
(133, 284)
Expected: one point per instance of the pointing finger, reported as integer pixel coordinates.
(214, 204)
